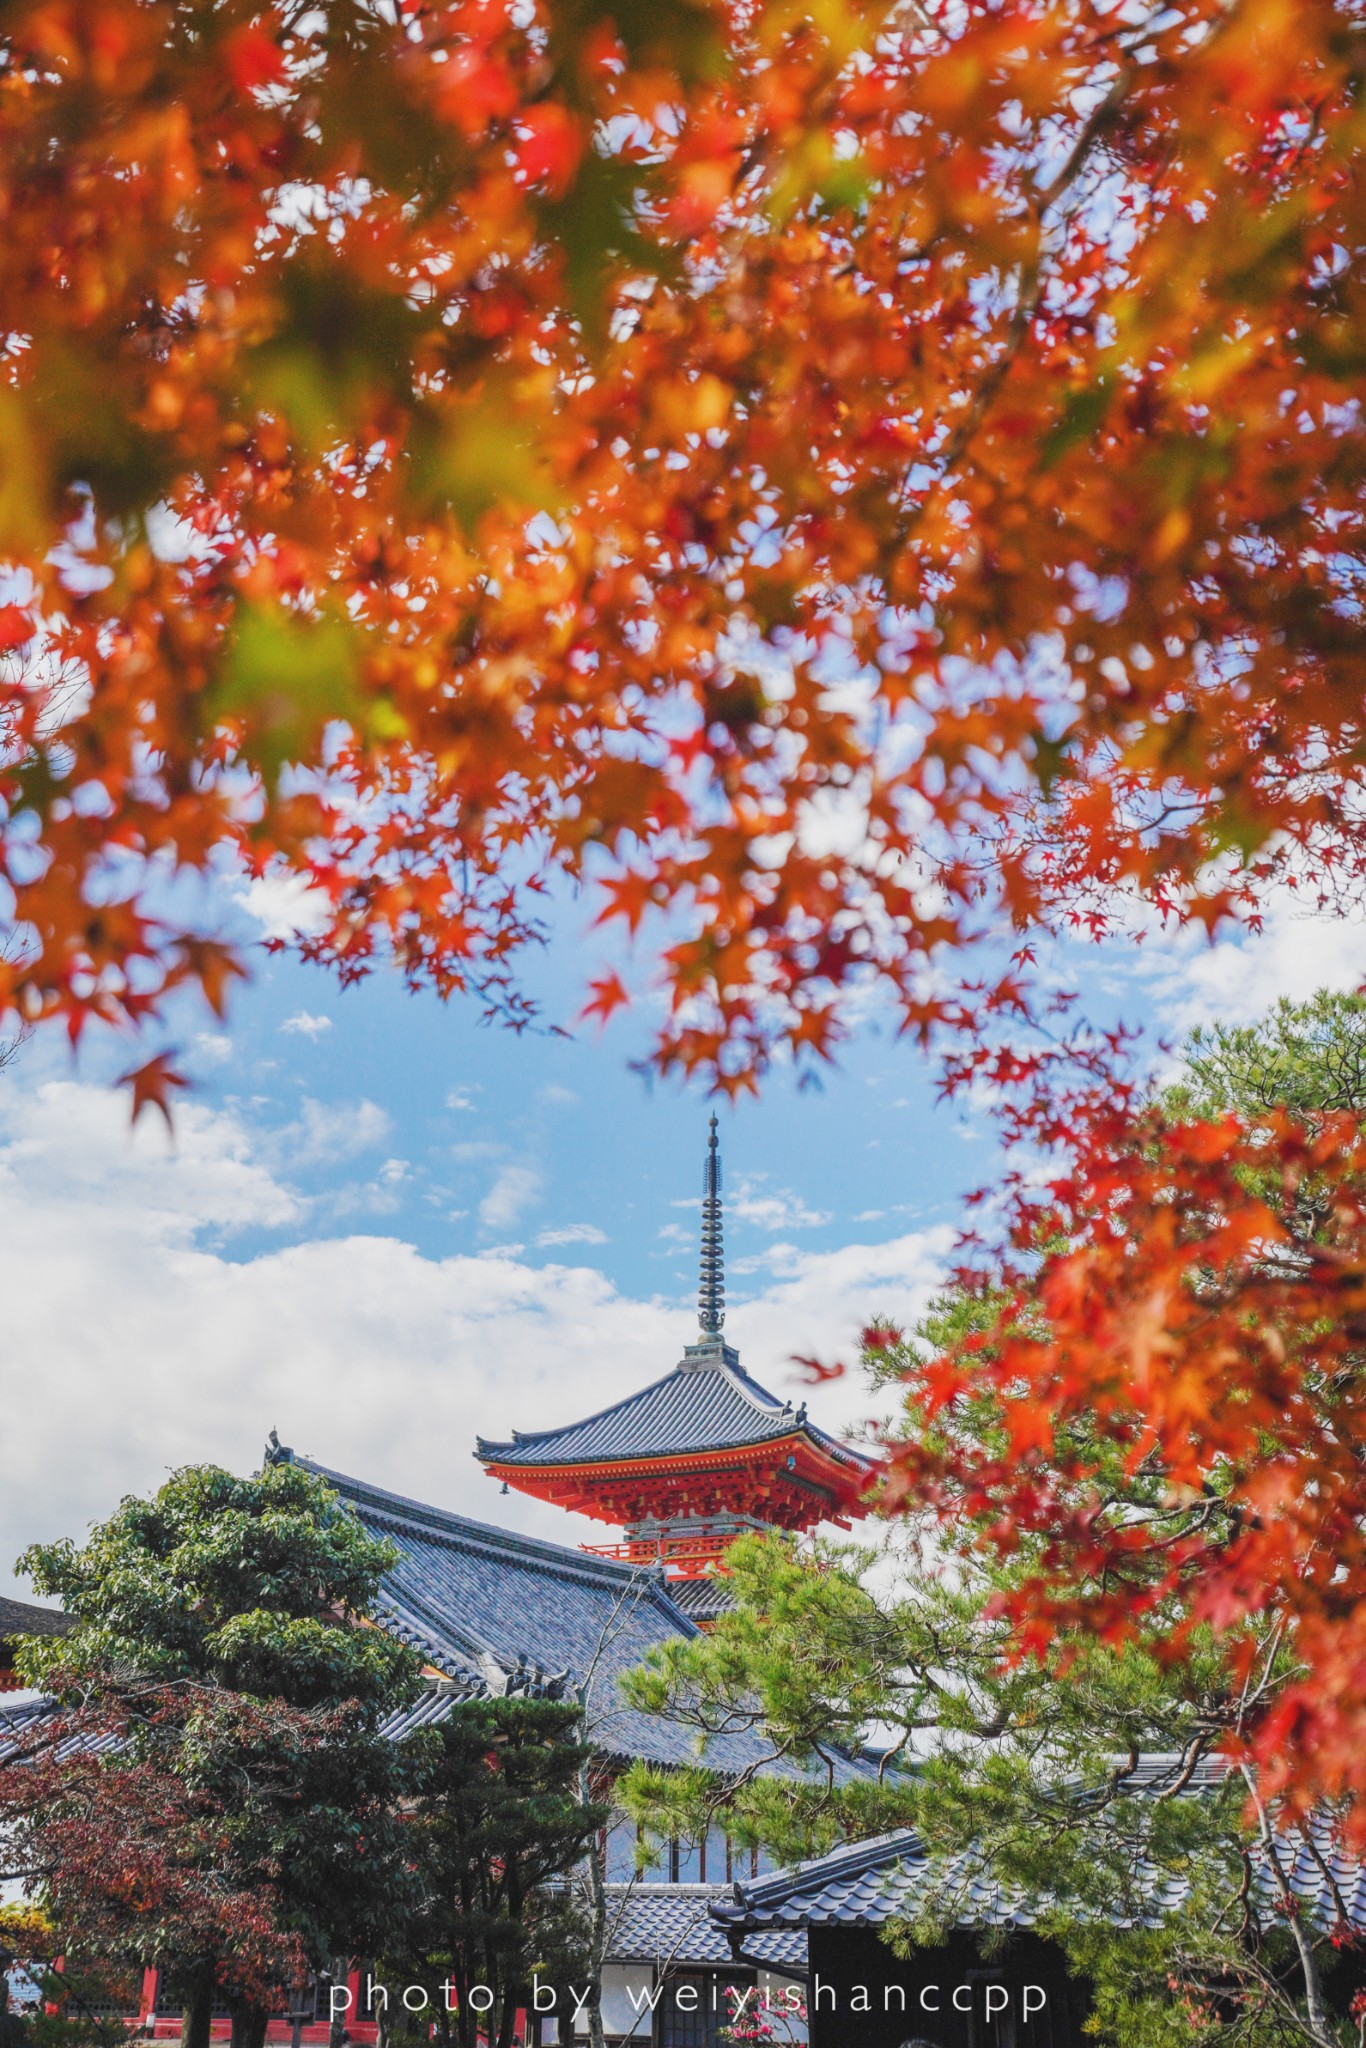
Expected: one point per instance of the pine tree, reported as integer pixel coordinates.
(495, 1826)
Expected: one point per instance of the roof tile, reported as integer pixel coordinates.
(477, 1601)
(706, 1403)
(891, 1877)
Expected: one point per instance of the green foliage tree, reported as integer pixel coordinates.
(239, 1821)
(1016, 1755)
(1305, 1057)
(496, 1825)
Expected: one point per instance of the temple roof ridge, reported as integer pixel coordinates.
(673, 1416)
(447, 1524)
(730, 1364)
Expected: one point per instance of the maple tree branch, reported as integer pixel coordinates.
(1195, 1750)
(1320, 2025)
(1326, 1872)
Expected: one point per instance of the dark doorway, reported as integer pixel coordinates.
(863, 1995)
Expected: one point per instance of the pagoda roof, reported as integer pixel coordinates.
(707, 1403)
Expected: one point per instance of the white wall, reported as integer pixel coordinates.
(621, 2017)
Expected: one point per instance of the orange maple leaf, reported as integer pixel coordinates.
(151, 1084)
(16, 627)
(607, 993)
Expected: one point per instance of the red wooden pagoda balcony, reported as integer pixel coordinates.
(683, 1554)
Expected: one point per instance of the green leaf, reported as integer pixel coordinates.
(1081, 415)
(486, 450)
(284, 681)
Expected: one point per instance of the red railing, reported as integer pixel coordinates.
(683, 1557)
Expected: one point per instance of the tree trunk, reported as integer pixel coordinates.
(196, 2019)
(597, 1931)
(1320, 2024)
(336, 2032)
(249, 2023)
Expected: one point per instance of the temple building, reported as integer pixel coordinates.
(691, 1461)
(681, 1467)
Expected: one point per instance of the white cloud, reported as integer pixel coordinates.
(514, 1190)
(284, 905)
(135, 1344)
(1238, 977)
(572, 1233)
(307, 1026)
(327, 1131)
(781, 1210)
(558, 1097)
(816, 1303)
(460, 1098)
(753, 1262)
(62, 1144)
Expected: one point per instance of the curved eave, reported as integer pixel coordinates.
(846, 1482)
(521, 1438)
(854, 1466)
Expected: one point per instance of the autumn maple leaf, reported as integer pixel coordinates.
(16, 627)
(151, 1084)
(607, 993)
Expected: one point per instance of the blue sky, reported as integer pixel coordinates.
(384, 1229)
(467, 1137)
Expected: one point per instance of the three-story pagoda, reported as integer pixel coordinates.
(690, 1462)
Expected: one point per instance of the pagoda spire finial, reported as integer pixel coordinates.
(711, 1296)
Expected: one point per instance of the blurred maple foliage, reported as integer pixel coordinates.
(831, 478)
(444, 448)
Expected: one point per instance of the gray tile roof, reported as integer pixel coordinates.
(18, 1723)
(865, 1884)
(701, 1599)
(891, 1877)
(23, 1730)
(502, 1612)
(709, 1402)
(20, 1618)
(672, 1923)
